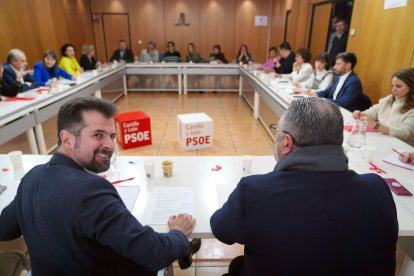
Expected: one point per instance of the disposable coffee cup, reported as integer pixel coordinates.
(167, 168)
(16, 159)
(149, 166)
(247, 163)
(369, 153)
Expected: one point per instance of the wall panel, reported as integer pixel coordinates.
(217, 25)
(255, 37)
(42, 25)
(384, 43)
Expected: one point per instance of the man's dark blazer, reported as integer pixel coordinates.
(350, 95)
(128, 56)
(75, 223)
(9, 77)
(311, 223)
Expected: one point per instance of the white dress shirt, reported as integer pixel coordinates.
(302, 73)
(341, 82)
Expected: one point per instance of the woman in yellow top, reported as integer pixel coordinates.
(68, 62)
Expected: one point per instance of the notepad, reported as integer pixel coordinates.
(393, 159)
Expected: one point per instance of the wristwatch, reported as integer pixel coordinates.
(377, 126)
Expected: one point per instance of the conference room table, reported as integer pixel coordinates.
(207, 187)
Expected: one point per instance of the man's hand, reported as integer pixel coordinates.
(182, 222)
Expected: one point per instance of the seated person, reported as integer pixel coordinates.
(346, 91)
(217, 55)
(15, 73)
(68, 62)
(150, 54)
(394, 114)
(311, 215)
(243, 55)
(87, 60)
(89, 230)
(171, 55)
(339, 40)
(302, 69)
(320, 79)
(408, 157)
(5, 89)
(123, 54)
(47, 69)
(285, 64)
(192, 55)
(269, 66)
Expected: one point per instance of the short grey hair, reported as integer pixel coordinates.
(313, 121)
(14, 54)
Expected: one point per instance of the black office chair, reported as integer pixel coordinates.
(13, 262)
(365, 102)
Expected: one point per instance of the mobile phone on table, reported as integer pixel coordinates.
(397, 187)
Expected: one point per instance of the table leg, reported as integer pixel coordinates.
(184, 84)
(256, 105)
(407, 268)
(125, 85)
(32, 141)
(240, 86)
(40, 139)
(98, 94)
(180, 84)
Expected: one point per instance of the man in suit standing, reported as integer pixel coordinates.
(340, 39)
(311, 215)
(346, 90)
(16, 73)
(74, 221)
(123, 54)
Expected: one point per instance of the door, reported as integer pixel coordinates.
(115, 27)
(319, 31)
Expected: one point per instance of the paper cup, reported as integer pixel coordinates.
(369, 153)
(167, 168)
(247, 163)
(16, 159)
(149, 166)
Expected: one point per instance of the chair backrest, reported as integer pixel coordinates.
(13, 262)
(365, 102)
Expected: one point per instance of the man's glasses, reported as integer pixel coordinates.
(274, 126)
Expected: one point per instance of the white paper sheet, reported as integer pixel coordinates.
(168, 201)
(223, 193)
(128, 194)
(390, 4)
(394, 160)
(8, 195)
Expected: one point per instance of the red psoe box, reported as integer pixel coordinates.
(133, 129)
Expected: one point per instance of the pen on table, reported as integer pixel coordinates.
(123, 180)
(402, 155)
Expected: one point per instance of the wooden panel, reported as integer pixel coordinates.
(147, 23)
(384, 43)
(300, 24)
(182, 35)
(217, 25)
(255, 37)
(115, 28)
(277, 31)
(110, 6)
(35, 26)
(320, 29)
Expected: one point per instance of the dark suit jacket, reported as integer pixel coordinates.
(286, 64)
(128, 56)
(350, 95)
(9, 78)
(311, 223)
(8, 91)
(75, 223)
(87, 64)
(41, 74)
(338, 46)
